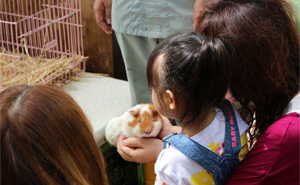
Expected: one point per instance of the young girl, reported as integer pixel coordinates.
(188, 75)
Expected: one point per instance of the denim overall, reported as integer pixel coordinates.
(220, 167)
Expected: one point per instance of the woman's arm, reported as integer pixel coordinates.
(274, 158)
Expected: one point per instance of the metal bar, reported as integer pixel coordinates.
(46, 25)
(50, 30)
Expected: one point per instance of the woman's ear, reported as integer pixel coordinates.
(171, 99)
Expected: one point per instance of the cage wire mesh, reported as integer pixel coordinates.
(40, 42)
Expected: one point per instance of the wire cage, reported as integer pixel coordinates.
(40, 42)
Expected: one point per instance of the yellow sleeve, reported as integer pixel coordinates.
(244, 147)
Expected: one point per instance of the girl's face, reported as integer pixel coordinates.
(164, 105)
(156, 102)
(160, 98)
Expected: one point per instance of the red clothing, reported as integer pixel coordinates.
(274, 159)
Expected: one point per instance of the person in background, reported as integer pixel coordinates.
(265, 39)
(188, 74)
(139, 26)
(296, 5)
(47, 139)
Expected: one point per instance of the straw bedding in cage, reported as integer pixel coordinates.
(24, 69)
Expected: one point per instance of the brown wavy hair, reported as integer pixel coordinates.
(265, 39)
(45, 139)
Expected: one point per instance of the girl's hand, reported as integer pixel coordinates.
(139, 150)
(168, 128)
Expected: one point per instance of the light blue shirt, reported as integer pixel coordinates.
(296, 5)
(152, 18)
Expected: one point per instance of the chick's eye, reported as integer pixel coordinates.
(139, 120)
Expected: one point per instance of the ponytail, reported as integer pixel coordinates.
(213, 74)
(215, 57)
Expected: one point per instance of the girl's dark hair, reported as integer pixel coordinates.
(45, 139)
(196, 68)
(265, 39)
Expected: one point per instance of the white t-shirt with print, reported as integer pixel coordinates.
(173, 168)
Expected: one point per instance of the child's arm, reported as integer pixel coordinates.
(168, 128)
(144, 150)
(140, 150)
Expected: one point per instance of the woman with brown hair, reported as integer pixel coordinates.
(266, 43)
(47, 139)
(265, 39)
(265, 81)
